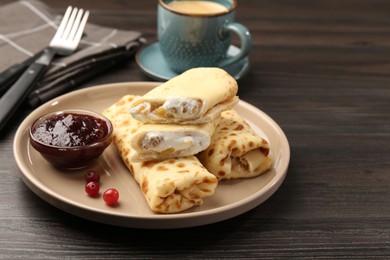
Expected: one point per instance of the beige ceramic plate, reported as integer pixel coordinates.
(65, 189)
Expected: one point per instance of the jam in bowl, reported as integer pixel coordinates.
(70, 139)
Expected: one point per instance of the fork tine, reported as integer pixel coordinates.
(80, 30)
(76, 24)
(64, 21)
(71, 29)
(69, 24)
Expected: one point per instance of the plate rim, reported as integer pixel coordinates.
(74, 208)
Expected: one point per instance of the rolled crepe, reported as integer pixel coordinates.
(163, 141)
(236, 150)
(169, 186)
(196, 96)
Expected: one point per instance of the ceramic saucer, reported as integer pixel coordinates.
(151, 61)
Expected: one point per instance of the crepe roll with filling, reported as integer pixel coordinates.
(163, 141)
(196, 96)
(172, 185)
(169, 186)
(236, 150)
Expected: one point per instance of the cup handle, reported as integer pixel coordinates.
(245, 42)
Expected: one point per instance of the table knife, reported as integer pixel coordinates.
(10, 75)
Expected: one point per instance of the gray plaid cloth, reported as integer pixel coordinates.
(27, 27)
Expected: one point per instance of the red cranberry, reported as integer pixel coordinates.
(92, 176)
(111, 196)
(92, 188)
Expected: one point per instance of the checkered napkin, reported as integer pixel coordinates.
(27, 27)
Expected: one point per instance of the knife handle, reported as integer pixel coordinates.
(9, 76)
(18, 92)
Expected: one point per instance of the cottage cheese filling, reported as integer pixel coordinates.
(182, 107)
(160, 141)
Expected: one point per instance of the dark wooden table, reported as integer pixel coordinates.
(321, 70)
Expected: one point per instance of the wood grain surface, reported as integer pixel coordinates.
(321, 70)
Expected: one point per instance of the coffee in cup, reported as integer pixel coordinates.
(197, 7)
(198, 33)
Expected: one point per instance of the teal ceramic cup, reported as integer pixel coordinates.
(189, 40)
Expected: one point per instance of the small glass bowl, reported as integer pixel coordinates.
(71, 156)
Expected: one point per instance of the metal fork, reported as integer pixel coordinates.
(64, 42)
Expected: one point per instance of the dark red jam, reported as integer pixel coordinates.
(70, 130)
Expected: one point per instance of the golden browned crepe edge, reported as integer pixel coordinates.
(224, 146)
